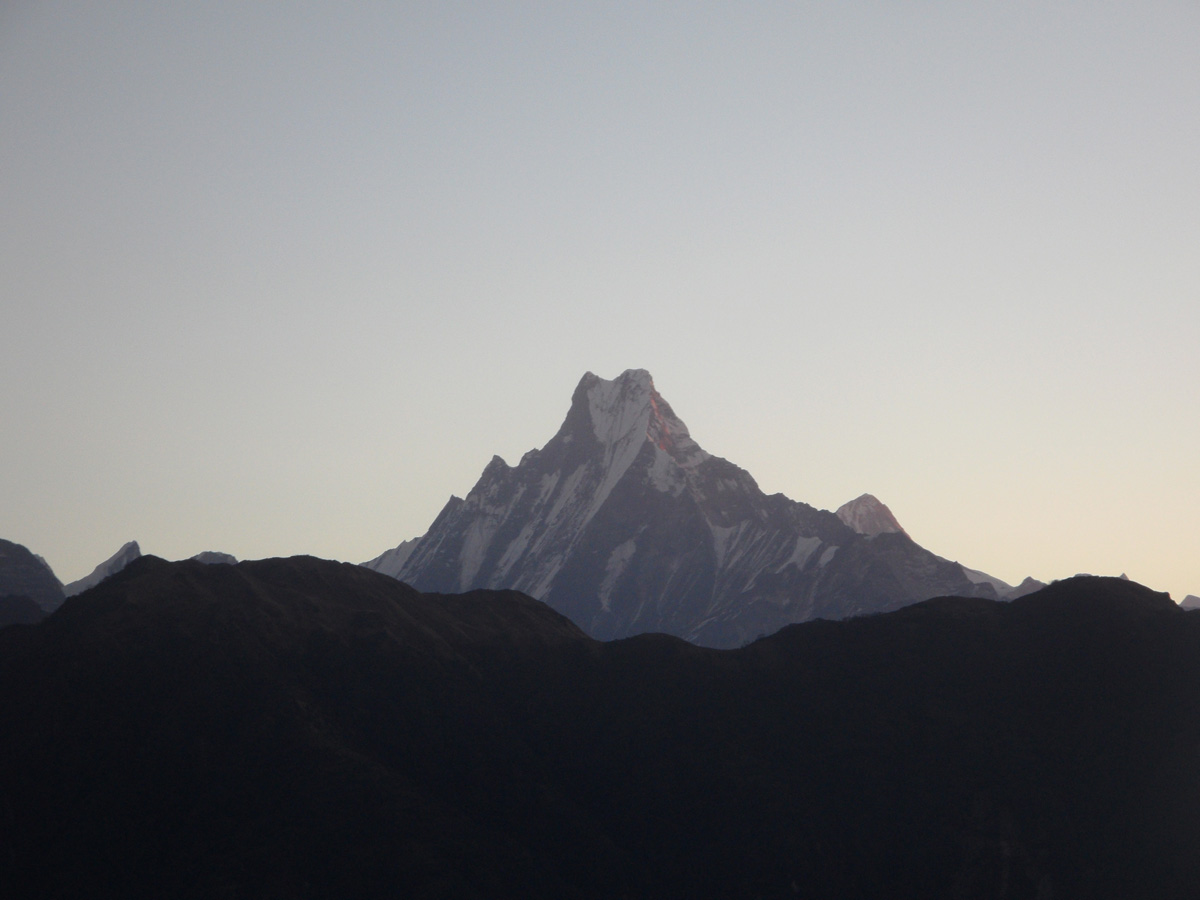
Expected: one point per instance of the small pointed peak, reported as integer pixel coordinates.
(128, 553)
(497, 464)
(1028, 586)
(589, 378)
(867, 515)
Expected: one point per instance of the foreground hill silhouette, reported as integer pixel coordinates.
(302, 728)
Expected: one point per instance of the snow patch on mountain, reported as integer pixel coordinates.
(805, 548)
(618, 561)
(479, 537)
(723, 539)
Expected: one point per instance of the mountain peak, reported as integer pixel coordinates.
(627, 411)
(868, 515)
(623, 523)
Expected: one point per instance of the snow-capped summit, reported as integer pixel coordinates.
(867, 515)
(628, 410)
(625, 525)
(111, 566)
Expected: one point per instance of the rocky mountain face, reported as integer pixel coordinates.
(625, 525)
(305, 729)
(24, 574)
(111, 566)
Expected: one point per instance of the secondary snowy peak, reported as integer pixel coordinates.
(868, 516)
(111, 566)
(215, 558)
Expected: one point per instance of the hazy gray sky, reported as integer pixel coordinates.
(280, 277)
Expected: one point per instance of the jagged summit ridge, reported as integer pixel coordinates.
(628, 410)
(623, 523)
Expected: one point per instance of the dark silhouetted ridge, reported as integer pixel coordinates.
(302, 728)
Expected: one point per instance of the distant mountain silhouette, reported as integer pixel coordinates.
(301, 728)
(25, 574)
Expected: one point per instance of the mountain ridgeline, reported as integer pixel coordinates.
(625, 525)
(301, 728)
(128, 553)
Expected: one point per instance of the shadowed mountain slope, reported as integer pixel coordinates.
(301, 728)
(19, 610)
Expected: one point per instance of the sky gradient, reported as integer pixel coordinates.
(280, 278)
